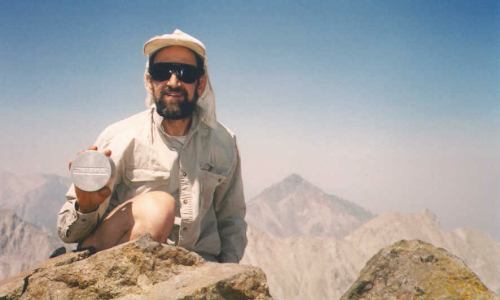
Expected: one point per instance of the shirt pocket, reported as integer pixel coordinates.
(145, 180)
(209, 182)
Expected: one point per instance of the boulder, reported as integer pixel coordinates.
(141, 269)
(417, 270)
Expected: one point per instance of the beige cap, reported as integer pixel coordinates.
(176, 38)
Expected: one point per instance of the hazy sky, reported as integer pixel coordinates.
(394, 105)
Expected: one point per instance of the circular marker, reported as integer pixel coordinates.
(91, 171)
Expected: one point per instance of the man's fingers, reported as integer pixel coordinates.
(94, 148)
(104, 192)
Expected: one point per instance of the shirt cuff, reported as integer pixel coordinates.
(90, 217)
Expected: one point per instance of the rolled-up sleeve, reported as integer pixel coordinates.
(74, 226)
(230, 210)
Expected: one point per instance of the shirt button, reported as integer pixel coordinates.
(185, 201)
(184, 174)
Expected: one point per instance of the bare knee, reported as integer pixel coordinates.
(154, 213)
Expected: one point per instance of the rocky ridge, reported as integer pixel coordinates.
(301, 263)
(323, 267)
(141, 269)
(22, 244)
(28, 210)
(35, 198)
(304, 266)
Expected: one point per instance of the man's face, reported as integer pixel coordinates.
(174, 98)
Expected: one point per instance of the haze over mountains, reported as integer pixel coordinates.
(310, 244)
(302, 264)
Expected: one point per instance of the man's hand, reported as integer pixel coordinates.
(90, 201)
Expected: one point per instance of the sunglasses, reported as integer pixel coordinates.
(163, 71)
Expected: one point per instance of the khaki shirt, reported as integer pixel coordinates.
(203, 175)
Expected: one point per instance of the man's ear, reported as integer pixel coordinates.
(202, 84)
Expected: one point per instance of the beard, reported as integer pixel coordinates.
(178, 110)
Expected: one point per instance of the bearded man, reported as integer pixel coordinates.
(177, 169)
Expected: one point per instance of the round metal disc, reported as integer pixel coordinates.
(91, 171)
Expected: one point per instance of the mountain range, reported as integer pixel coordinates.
(305, 265)
(311, 245)
(28, 209)
(22, 244)
(35, 198)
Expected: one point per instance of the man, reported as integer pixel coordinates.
(177, 170)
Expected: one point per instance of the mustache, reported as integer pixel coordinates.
(173, 90)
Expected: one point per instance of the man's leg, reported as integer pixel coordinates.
(152, 213)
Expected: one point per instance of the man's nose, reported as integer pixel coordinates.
(173, 80)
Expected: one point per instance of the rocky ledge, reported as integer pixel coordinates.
(417, 270)
(141, 269)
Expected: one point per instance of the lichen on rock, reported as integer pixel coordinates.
(417, 270)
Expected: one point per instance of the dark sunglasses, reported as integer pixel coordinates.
(163, 71)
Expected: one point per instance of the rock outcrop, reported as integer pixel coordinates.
(141, 269)
(416, 270)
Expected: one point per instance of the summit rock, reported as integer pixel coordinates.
(417, 270)
(141, 269)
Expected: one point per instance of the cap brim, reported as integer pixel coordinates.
(157, 43)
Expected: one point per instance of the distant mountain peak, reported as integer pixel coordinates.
(427, 213)
(294, 178)
(294, 206)
(289, 185)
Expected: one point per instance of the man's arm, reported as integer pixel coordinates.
(82, 210)
(230, 210)
(74, 225)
